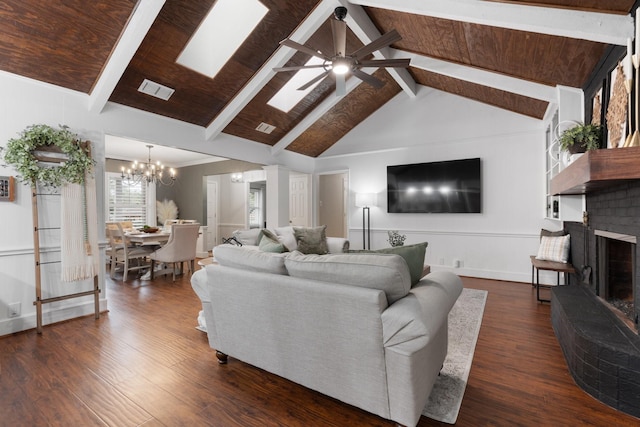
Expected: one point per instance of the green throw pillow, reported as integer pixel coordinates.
(269, 245)
(412, 254)
(311, 240)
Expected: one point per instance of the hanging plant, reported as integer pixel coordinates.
(19, 153)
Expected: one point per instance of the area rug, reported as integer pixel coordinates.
(465, 319)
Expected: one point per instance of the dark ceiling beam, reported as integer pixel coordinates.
(595, 26)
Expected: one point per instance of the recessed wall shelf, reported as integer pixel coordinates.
(598, 169)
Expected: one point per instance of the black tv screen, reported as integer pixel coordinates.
(439, 187)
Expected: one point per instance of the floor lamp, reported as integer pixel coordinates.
(364, 200)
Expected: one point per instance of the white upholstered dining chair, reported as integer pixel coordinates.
(181, 247)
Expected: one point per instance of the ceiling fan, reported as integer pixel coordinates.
(340, 63)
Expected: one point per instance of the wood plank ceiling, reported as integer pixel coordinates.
(75, 39)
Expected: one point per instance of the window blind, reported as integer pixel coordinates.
(127, 201)
(255, 208)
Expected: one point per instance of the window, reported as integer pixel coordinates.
(255, 208)
(126, 201)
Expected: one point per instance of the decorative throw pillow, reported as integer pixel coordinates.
(248, 237)
(554, 248)
(311, 240)
(268, 244)
(412, 254)
(287, 238)
(270, 234)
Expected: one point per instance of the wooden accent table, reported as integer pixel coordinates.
(558, 267)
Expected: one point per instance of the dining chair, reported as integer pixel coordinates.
(122, 252)
(127, 225)
(168, 223)
(181, 247)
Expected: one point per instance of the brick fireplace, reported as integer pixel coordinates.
(614, 215)
(596, 321)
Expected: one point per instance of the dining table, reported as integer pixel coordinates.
(142, 238)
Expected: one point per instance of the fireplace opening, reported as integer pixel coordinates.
(616, 274)
(619, 291)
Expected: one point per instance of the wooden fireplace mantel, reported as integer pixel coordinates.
(598, 169)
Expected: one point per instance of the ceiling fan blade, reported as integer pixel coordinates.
(298, 67)
(304, 49)
(313, 81)
(341, 85)
(382, 41)
(339, 30)
(395, 63)
(367, 78)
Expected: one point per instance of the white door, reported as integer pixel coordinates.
(212, 213)
(299, 198)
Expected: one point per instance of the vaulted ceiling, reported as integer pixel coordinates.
(508, 53)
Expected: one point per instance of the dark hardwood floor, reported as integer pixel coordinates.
(144, 363)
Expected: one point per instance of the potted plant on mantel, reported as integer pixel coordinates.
(581, 138)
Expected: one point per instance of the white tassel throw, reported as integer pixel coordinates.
(79, 231)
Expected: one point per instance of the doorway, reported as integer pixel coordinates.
(332, 194)
(300, 200)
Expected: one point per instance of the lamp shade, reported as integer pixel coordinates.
(365, 200)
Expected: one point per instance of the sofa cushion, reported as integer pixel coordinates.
(412, 254)
(268, 244)
(387, 272)
(250, 259)
(311, 240)
(337, 245)
(248, 237)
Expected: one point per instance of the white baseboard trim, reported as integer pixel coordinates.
(546, 278)
(23, 323)
(485, 274)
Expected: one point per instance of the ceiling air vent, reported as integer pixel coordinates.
(265, 128)
(156, 89)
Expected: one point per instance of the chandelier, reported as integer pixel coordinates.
(148, 172)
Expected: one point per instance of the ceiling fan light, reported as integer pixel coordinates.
(340, 67)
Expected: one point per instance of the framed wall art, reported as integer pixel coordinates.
(7, 189)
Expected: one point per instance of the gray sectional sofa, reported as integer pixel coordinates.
(350, 326)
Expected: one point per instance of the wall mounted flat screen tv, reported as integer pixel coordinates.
(452, 186)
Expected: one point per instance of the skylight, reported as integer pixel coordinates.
(289, 96)
(223, 30)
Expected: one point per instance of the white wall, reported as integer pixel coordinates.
(437, 126)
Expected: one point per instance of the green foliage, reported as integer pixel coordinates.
(19, 154)
(581, 137)
(395, 238)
